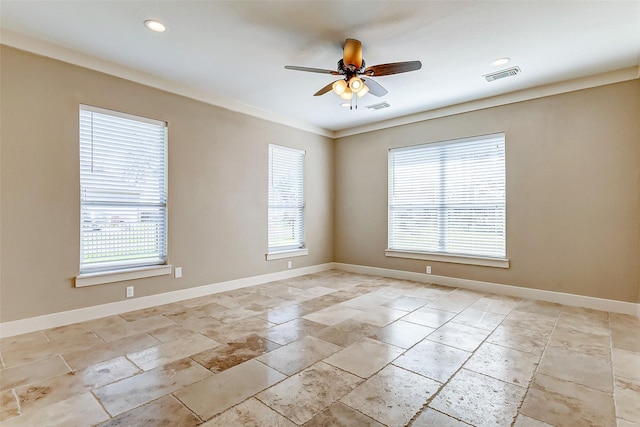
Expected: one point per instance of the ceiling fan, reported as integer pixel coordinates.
(352, 66)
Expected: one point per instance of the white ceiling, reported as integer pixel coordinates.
(232, 53)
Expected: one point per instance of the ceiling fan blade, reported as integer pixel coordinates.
(393, 68)
(375, 88)
(311, 70)
(352, 54)
(324, 90)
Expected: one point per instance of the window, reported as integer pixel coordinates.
(449, 198)
(123, 191)
(286, 202)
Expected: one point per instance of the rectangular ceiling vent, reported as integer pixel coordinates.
(379, 106)
(502, 74)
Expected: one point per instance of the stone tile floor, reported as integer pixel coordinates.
(330, 349)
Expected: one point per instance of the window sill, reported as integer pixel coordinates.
(286, 254)
(456, 259)
(90, 279)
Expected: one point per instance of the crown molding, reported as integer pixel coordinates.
(60, 53)
(596, 80)
(70, 56)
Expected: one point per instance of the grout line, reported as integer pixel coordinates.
(535, 372)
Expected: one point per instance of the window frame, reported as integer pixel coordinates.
(441, 255)
(274, 251)
(128, 268)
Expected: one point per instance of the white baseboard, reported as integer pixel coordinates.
(47, 321)
(496, 288)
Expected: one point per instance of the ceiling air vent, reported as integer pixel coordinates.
(379, 106)
(502, 74)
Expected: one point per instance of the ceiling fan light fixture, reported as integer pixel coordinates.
(347, 94)
(362, 92)
(339, 86)
(154, 25)
(356, 83)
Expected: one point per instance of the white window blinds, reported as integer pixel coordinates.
(286, 199)
(123, 190)
(449, 197)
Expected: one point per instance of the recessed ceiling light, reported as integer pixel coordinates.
(345, 104)
(500, 61)
(154, 25)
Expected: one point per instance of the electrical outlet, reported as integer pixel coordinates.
(177, 273)
(428, 269)
(129, 291)
(289, 264)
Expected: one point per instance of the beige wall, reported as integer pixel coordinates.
(573, 192)
(573, 189)
(217, 187)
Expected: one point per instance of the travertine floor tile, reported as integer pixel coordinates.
(443, 361)
(430, 317)
(524, 421)
(339, 415)
(506, 364)
(499, 304)
(150, 385)
(627, 397)
(119, 330)
(367, 302)
(459, 336)
(431, 418)
(559, 402)
(455, 301)
(580, 368)
(106, 351)
(285, 314)
(306, 394)
(166, 411)
(479, 400)
(23, 342)
(36, 351)
(46, 392)
(238, 331)
(365, 357)
(533, 321)
(589, 372)
(583, 342)
(392, 396)
(540, 307)
(520, 339)
(347, 332)
(624, 331)
(215, 395)
(479, 319)
(77, 411)
(226, 356)
(299, 355)
(402, 334)
(250, 413)
(626, 364)
(407, 303)
(9, 406)
(75, 329)
(331, 315)
(292, 330)
(583, 322)
(161, 354)
(380, 316)
(170, 333)
(32, 372)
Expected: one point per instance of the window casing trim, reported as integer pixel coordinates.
(111, 276)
